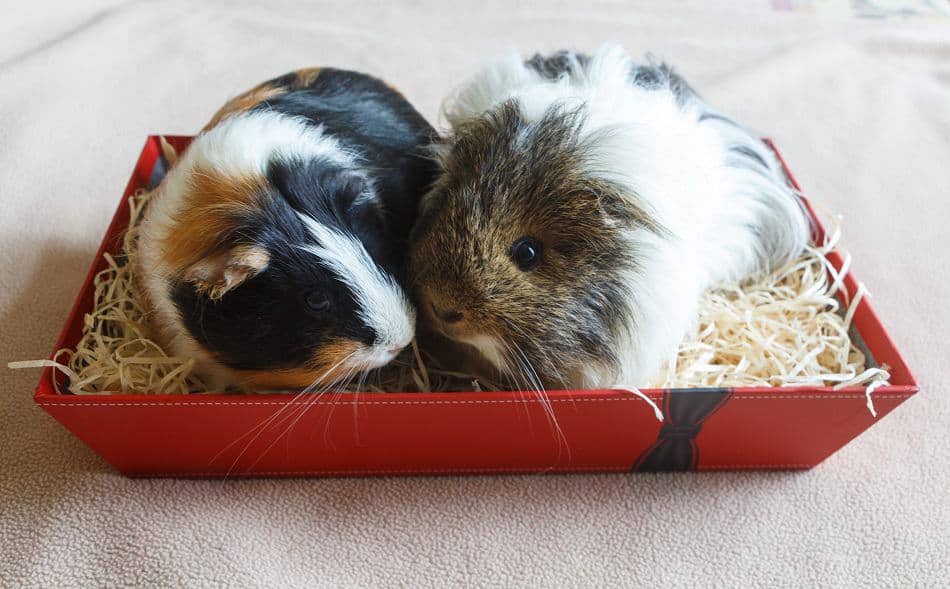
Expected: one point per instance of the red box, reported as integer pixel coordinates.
(212, 435)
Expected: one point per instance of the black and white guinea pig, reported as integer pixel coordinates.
(584, 205)
(273, 251)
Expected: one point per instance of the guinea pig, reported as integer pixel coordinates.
(584, 204)
(273, 252)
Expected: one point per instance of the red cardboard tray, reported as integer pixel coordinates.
(282, 434)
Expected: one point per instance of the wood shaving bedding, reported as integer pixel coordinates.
(115, 354)
(785, 329)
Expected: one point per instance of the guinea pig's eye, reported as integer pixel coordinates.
(526, 253)
(317, 300)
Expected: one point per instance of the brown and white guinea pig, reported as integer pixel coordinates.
(273, 251)
(584, 205)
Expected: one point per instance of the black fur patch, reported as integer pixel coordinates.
(370, 118)
(557, 64)
(656, 76)
(749, 154)
(712, 116)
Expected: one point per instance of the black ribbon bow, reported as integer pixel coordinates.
(684, 411)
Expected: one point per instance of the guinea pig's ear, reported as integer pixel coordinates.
(358, 203)
(349, 188)
(223, 271)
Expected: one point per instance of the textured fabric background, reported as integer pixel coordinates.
(861, 109)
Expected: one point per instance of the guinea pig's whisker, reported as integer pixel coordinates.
(545, 401)
(361, 382)
(356, 400)
(337, 383)
(550, 362)
(364, 376)
(520, 377)
(526, 379)
(315, 394)
(268, 421)
(351, 373)
(525, 383)
(259, 428)
(514, 379)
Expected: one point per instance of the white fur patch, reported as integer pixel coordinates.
(382, 302)
(248, 142)
(490, 348)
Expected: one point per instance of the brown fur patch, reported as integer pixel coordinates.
(268, 90)
(212, 211)
(245, 102)
(331, 355)
(395, 90)
(276, 379)
(325, 366)
(306, 77)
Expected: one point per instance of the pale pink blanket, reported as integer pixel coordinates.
(861, 109)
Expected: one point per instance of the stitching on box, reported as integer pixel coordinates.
(473, 402)
(359, 402)
(560, 469)
(752, 466)
(611, 468)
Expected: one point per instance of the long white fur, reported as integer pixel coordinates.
(240, 145)
(724, 221)
(382, 303)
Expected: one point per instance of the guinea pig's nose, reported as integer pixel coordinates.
(447, 315)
